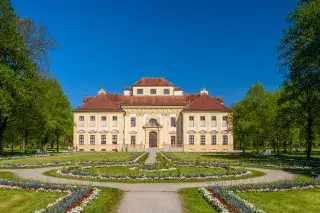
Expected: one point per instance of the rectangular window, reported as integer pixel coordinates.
(191, 121)
(173, 122)
(81, 150)
(213, 140)
(213, 121)
(114, 139)
(103, 121)
(224, 121)
(225, 139)
(103, 150)
(202, 140)
(114, 121)
(166, 91)
(191, 139)
(140, 91)
(103, 139)
(92, 150)
(202, 121)
(153, 91)
(92, 121)
(173, 140)
(133, 122)
(81, 121)
(92, 139)
(81, 139)
(133, 140)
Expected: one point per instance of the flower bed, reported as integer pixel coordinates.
(225, 200)
(267, 162)
(74, 201)
(63, 163)
(77, 174)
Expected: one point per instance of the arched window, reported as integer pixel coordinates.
(153, 122)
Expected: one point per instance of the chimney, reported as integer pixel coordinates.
(101, 91)
(204, 91)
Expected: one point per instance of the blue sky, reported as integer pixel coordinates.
(225, 45)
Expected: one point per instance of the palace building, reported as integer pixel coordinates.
(152, 113)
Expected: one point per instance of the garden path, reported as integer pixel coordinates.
(149, 197)
(152, 155)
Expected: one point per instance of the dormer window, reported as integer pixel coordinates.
(140, 91)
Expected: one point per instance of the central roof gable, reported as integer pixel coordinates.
(144, 82)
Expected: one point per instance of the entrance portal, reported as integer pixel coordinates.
(153, 139)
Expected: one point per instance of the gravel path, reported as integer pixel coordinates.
(150, 202)
(149, 197)
(36, 175)
(152, 155)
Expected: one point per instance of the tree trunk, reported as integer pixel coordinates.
(3, 125)
(309, 139)
(57, 135)
(25, 141)
(285, 146)
(12, 148)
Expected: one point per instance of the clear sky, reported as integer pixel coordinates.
(225, 45)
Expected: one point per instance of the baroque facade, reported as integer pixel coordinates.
(152, 113)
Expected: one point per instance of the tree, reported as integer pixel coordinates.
(16, 69)
(38, 43)
(299, 53)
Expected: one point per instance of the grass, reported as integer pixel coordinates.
(107, 202)
(181, 170)
(286, 201)
(86, 156)
(192, 201)
(9, 176)
(24, 201)
(53, 173)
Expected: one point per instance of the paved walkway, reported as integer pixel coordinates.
(149, 197)
(152, 155)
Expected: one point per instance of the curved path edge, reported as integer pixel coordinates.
(36, 174)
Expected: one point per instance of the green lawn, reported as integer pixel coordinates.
(93, 156)
(9, 176)
(107, 202)
(24, 201)
(287, 201)
(54, 174)
(192, 202)
(180, 170)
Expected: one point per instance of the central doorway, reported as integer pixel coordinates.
(153, 139)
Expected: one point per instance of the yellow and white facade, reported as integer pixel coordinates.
(152, 113)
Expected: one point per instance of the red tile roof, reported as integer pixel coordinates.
(153, 82)
(99, 103)
(113, 102)
(153, 101)
(177, 89)
(206, 103)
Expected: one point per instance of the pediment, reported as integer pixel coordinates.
(92, 131)
(132, 132)
(224, 132)
(115, 131)
(81, 131)
(191, 132)
(214, 132)
(202, 132)
(172, 132)
(103, 131)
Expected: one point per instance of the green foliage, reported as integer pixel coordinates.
(299, 55)
(33, 108)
